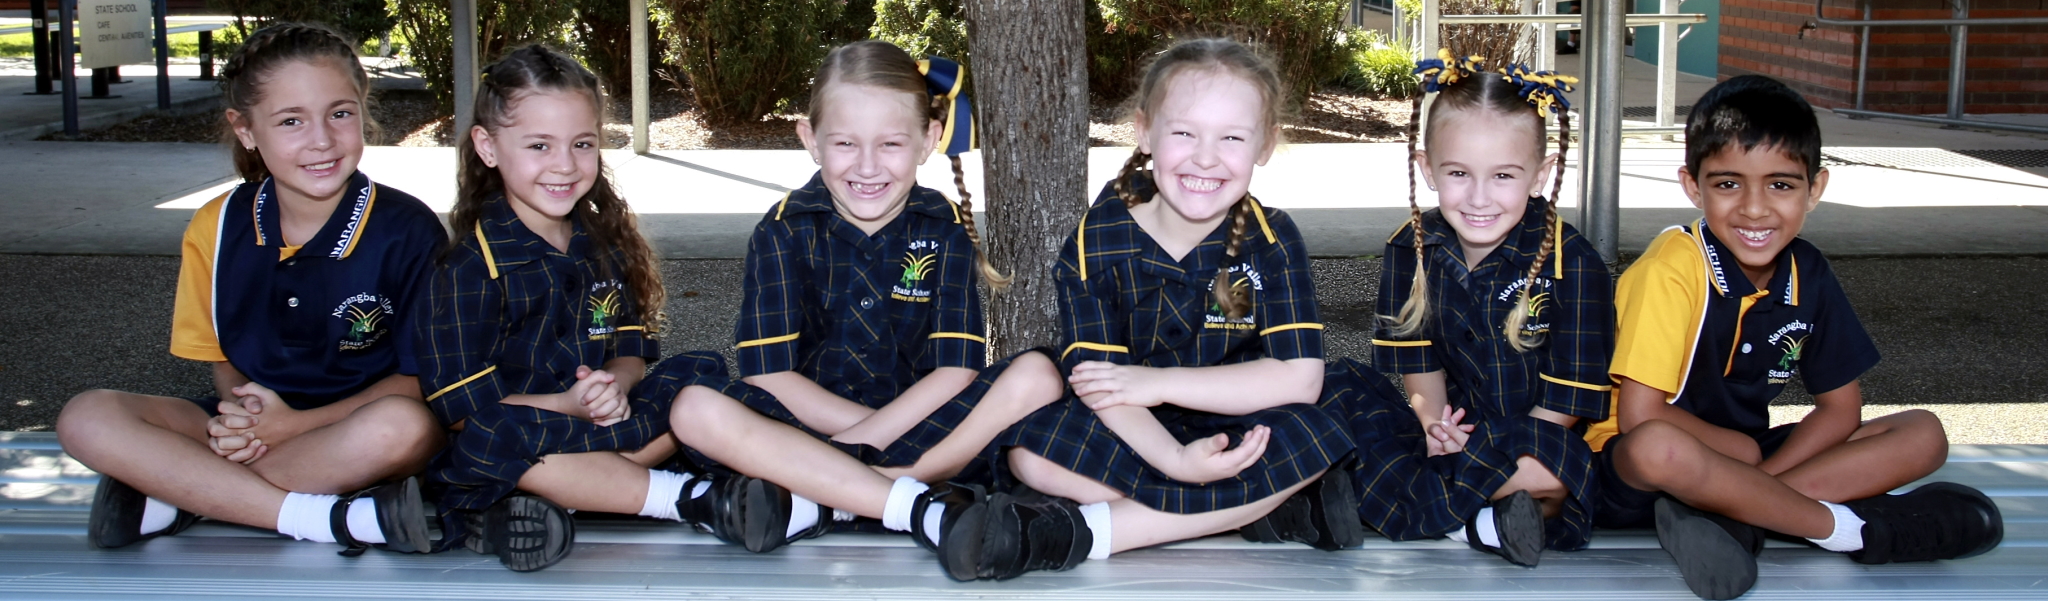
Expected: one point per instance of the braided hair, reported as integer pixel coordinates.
(1215, 55)
(883, 65)
(250, 67)
(607, 218)
(1462, 85)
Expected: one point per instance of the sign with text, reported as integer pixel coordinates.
(114, 33)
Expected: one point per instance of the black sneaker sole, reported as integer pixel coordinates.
(1994, 520)
(527, 533)
(960, 551)
(1340, 511)
(411, 517)
(1714, 564)
(116, 519)
(763, 503)
(1519, 520)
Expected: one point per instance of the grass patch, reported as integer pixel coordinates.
(22, 45)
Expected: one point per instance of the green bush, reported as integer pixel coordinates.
(360, 20)
(501, 25)
(603, 34)
(747, 58)
(1378, 67)
(1305, 37)
(923, 28)
(1116, 56)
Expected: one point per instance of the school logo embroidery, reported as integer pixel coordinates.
(365, 315)
(1242, 276)
(1538, 301)
(605, 302)
(918, 264)
(1793, 348)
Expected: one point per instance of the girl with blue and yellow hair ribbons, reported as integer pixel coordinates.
(1498, 317)
(860, 334)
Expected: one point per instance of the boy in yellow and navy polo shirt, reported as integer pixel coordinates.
(1715, 318)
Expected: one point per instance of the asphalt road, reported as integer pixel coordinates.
(1961, 330)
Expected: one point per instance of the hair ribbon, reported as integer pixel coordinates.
(943, 78)
(1446, 69)
(1543, 89)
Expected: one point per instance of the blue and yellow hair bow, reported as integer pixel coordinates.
(1446, 69)
(1543, 89)
(943, 78)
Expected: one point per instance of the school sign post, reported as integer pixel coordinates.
(114, 32)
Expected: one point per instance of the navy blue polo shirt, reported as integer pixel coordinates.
(509, 314)
(863, 316)
(1464, 335)
(316, 322)
(1693, 326)
(1124, 300)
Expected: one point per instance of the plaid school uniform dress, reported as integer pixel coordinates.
(1407, 495)
(863, 316)
(1124, 300)
(508, 314)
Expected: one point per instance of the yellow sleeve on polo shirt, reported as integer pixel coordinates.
(192, 330)
(1659, 303)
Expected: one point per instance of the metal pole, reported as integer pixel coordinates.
(1956, 55)
(463, 18)
(206, 55)
(1600, 146)
(39, 11)
(1863, 55)
(163, 54)
(640, 91)
(66, 66)
(1546, 37)
(1667, 67)
(1431, 39)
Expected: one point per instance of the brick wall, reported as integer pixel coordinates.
(2007, 69)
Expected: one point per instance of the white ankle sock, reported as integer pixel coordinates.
(934, 521)
(306, 517)
(157, 515)
(803, 514)
(1097, 516)
(663, 488)
(1489, 533)
(902, 496)
(1848, 535)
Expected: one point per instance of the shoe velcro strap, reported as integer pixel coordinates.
(337, 519)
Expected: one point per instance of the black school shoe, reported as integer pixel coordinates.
(526, 532)
(1717, 557)
(959, 548)
(1323, 515)
(1019, 531)
(1943, 520)
(117, 516)
(1519, 521)
(746, 511)
(401, 516)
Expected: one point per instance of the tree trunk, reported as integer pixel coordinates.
(1031, 84)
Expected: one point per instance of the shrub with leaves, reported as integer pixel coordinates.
(360, 20)
(924, 28)
(1303, 36)
(1499, 43)
(1378, 66)
(746, 58)
(603, 34)
(501, 25)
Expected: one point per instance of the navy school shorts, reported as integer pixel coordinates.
(1618, 505)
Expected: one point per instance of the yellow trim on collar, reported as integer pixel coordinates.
(1081, 247)
(1562, 381)
(959, 335)
(459, 384)
(1557, 243)
(767, 341)
(956, 210)
(1291, 326)
(1260, 212)
(1793, 293)
(485, 245)
(1094, 346)
(630, 329)
(1400, 343)
(782, 205)
(362, 222)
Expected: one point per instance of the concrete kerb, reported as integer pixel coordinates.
(99, 119)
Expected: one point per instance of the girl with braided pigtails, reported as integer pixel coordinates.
(1192, 345)
(1498, 317)
(863, 390)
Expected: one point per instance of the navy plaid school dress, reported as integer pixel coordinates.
(863, 316)
(508, 314)
(1407, 495)
(1123, 299)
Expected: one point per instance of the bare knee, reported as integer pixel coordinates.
(398, 429)
(86, 415)
(1033, 382)
(1657, 454)
(701, 415)
(1921, 431)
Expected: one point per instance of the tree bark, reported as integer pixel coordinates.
(1031, 85)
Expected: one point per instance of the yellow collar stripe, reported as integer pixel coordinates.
(1557, 244)
(960, 335)
(1291, 326)
(362, 222)
(1400, 343)
(461, 383)
(1564, 382)
(1260, 212)
(1094, 346)
(1081, 247)
(1793, 289)
(485, 245)
(782, 205)
(767, 341)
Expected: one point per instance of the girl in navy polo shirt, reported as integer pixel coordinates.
(1193, 344)
(860, 332)
(297, 286)
(1499, 318)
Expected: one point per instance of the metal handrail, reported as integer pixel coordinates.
(1958, 53)
(1636, 20)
